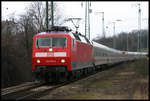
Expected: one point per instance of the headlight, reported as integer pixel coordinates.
(50, 49)
(62, 61)
(38, 61)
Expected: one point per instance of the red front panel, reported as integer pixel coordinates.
(51, 58)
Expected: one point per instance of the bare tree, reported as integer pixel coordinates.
(37, 11)
(17, 48)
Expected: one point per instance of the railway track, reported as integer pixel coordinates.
(35, 90)
(6, 90)
(31, 91)
(40, 91)
(9, 93)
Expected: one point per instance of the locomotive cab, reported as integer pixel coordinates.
(51, 53)
(50, 50)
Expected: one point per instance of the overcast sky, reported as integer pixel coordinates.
(126, 11)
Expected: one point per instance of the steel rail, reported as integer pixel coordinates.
(8, 93)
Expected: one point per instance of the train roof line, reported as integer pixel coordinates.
(59, 28)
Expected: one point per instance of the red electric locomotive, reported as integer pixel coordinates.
(60, 54)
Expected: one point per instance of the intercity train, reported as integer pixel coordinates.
(62, 54)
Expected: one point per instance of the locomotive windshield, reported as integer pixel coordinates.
(46, 42)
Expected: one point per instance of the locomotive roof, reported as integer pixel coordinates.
(66, 30)
(53, 32)
(57, 30)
